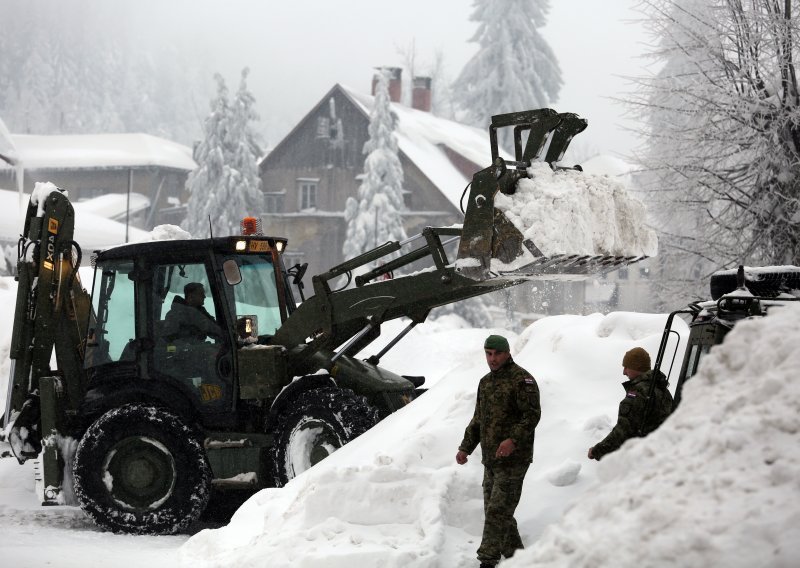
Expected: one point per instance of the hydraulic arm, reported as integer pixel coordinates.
(52, 312)
(350, 318)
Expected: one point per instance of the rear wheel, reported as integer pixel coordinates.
(141, 469)
(315, 425)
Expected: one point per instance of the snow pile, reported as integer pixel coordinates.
(166, 233)
(395, 496)
(41, 191)
(571, 212)
(717, 485)
(75, 151)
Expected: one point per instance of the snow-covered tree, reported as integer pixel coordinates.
(71, 68)
(515, 69)
(723, 123)
(225, 186)
(374, 217)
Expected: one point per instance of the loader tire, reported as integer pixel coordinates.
(141, 469)
(313, 426)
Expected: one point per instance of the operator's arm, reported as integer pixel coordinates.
(206, 323)
(626, 426)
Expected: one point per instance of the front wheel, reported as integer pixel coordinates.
(315, 425)
(141, 469)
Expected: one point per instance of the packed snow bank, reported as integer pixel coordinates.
(572, 212)
(717, 485)
(396, 498)
(166, 233)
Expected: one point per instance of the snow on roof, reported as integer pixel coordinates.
(92, 231)
(90, 151)
(112, 205)
(607, 165)
(421, 135)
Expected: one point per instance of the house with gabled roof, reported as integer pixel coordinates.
(308, 176)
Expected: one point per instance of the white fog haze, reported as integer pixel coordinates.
(296, 51)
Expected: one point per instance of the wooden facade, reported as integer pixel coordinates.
(309, 175)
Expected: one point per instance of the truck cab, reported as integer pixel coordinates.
(148, 336)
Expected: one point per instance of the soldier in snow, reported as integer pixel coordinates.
(507, 411)
(638, 414)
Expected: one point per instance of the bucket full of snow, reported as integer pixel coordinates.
(541, 222)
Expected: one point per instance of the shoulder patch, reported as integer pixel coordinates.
(529, 381)
(631, 394)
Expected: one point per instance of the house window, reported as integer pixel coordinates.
(622, 273)
(273, 201)
(307, 191)
(644, 272)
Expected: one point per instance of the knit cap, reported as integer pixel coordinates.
(496, 342)
(637, 359)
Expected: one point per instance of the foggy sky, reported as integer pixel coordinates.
(298, 49)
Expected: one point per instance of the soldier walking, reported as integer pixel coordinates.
(507, 411)
(645, 406)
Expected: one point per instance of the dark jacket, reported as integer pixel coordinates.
(631, 420)
(189, 323)
(507, 407)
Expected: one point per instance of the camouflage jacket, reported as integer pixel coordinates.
(632, 410)
(507, 407)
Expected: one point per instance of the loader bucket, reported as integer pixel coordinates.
(494, 242)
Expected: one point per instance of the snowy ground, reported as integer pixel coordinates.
(394, 497)
(718, 484)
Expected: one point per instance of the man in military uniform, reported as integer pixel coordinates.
(507, 411)
(639, 414)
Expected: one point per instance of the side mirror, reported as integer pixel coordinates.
(231, 270)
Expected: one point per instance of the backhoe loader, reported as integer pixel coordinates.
(148, 421)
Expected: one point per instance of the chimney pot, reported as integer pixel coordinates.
(395, 83)
(421, 94)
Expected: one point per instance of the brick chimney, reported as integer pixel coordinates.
(421, 94)
(395, 83)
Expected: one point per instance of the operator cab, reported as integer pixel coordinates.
(179, 311)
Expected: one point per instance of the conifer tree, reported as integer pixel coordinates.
(375, 217)
(225, 186)
(515, 69)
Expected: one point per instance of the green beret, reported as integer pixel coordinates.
(496, 342)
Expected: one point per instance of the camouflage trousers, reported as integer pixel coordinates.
(502, 488)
